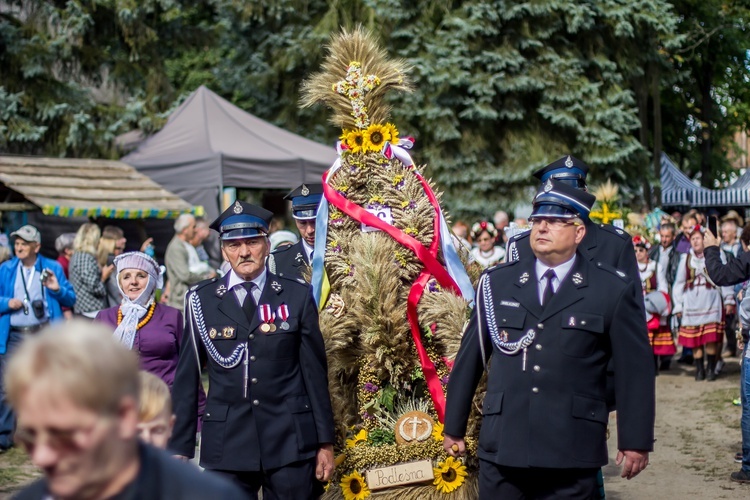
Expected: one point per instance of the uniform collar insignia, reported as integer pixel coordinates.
(577, 278)
(524, 278)
(237, 207)
(305, 190)
(569, 162)
(548, 186)
(299, 257)
(276, 286)
(221, 290)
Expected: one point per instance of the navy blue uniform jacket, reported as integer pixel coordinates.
(287, 414)
(554, 414)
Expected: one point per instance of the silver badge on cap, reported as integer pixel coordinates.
(305, 191)
(548, 186)
(569, 162)
(237, 207)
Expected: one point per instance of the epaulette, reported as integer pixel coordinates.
(282, 249)
(518, 236)
(500, 266)
(615, 230)
(295, 279)
(202, 284)
(620, 274)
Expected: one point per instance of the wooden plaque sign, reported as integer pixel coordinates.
(397, 475)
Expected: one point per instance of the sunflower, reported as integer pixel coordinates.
(354, 140)
(375, 137)
(354, 487)
(390, 132)
(360, 437)
(449, 475)
(437, 432)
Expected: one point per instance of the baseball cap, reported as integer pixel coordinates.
(27, 233)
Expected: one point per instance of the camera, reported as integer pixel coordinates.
(38, 307)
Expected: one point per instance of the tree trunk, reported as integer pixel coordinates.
(706, 114)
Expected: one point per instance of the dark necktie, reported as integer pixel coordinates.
(548, 291)
(249, 306)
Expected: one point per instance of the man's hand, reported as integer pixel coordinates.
(51, 282)
(455, 447)
(15, 304)
(635, 462)
(709, 240)
(324, 463)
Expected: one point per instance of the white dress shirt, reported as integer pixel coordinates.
(236, 284)
(561, 272)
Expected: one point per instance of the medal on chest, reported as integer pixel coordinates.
(283, 313)
(267, 317)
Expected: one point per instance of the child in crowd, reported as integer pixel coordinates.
(155, 418)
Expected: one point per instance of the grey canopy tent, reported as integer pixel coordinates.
(208, 144)
(677, 190)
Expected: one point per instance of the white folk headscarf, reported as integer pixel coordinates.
(134, 310)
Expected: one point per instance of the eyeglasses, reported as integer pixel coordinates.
(58, 439)
(554, 222)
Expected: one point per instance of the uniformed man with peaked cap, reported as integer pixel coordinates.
(268, 421)
(290, 261)
(602, 243)
(551, 323)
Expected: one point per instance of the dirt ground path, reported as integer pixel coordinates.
(697, 435)
(697, 432)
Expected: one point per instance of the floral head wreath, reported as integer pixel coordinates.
(641, 241)
(479, 227)
(698, 229)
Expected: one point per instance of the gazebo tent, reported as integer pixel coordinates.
(677, 190)
(208, 144)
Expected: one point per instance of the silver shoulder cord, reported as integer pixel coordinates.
(480, 290)
(233, 359)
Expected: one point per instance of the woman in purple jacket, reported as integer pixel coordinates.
(151, 329)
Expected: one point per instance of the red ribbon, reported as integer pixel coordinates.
(432, 266)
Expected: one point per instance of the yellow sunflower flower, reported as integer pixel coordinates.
(437, 432)
(354, 487)
(375, 137)
(360, 437)
(355, 141)
(449, 475)
(390, 132)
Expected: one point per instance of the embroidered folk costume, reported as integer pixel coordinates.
(656, 297)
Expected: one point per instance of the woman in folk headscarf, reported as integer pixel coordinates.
(702, 306)
(153, 330)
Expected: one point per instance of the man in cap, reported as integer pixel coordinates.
(292, 260)
(602, 242)
(268, 420)
(33, 291)
(551, 323)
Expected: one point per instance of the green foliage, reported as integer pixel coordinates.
(380, 436)
(387, 397)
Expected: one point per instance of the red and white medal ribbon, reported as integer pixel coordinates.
(267, 317)
(283, 313)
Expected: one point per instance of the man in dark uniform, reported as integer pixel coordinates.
(290, 261)
(551, 324)
(268, 420)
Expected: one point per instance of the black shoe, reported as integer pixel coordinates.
(686, 360)
(665, 365)
(700, 370)
(740, 477)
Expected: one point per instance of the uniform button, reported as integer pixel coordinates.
(583, 322)
(593, 414)
(256, 402)
(538, 347)
(251, 336)
(540, 326)
(536, 368)
(254, 380)
(252, 358)
(505, 320)
(534, 390)
(208, 415)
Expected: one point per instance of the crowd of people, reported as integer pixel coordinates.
(247, 319)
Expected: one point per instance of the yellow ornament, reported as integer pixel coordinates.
(449, 475)
(360, 437)
(354, 487)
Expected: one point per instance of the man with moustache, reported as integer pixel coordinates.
(268, 421)
(550, 325)
(291, 261)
